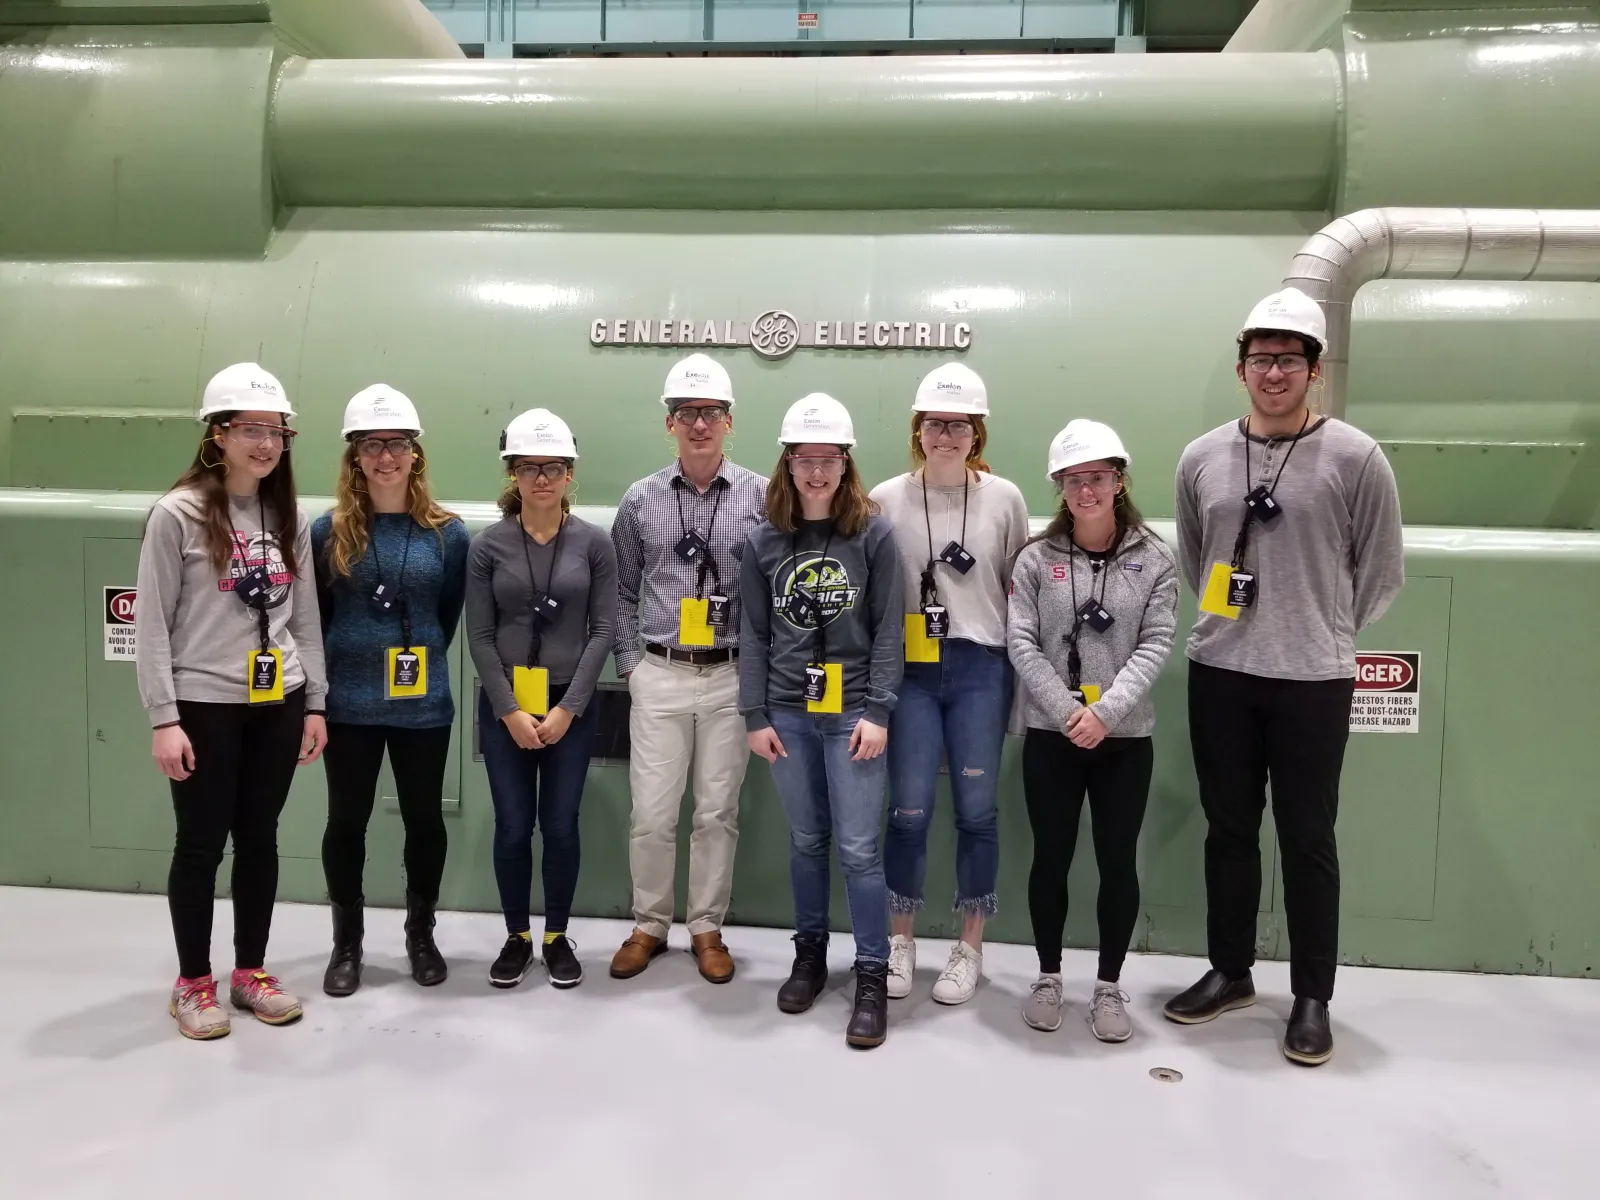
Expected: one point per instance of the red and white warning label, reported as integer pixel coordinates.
(119, 624)
(1388, 692)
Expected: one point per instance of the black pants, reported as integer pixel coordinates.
(1244, 730)
(244, 761)
(352, 760)
(1055, 775)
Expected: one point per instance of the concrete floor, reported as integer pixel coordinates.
(1443, 1086)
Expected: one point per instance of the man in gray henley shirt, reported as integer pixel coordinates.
(1289, 533)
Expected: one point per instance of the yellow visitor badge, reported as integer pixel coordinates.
(407, 674)
(1088, 693)
(1214, 599)
(832, 698)
(263, 673)
(694, 628)
(920, 648)
(531, 687)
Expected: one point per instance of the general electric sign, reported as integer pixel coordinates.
(777, 334)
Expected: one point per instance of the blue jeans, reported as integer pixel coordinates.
(960, 704)
(536, 786)
(828, 797)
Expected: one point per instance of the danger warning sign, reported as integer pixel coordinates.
(119, 603)
(1388, 692)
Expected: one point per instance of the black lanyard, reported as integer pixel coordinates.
(1240, 542)
(527, 557)
(930, 589)
(820, 642)
(1101, 568)
(403, 602)
(708, 564)
(262, 625)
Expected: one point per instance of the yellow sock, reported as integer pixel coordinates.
(526, 935)
(550, 937)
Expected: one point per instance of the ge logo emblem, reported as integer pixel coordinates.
(774, 334)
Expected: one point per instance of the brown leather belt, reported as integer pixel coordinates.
(693, 658)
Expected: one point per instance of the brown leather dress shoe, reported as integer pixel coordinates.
(635, 954)
(716, 964)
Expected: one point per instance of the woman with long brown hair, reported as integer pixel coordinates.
(391, 574)
(230, 671)
(958, 526)
(819, 668)
(1094, 609)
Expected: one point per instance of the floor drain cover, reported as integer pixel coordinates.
(1166, 1075)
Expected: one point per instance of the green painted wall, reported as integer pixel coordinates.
(195, 194)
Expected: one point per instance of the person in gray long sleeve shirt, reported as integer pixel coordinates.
(1289, 533)
(822, 652)
(540, 612)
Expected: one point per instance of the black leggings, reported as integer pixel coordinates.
(352, 760)
(1055, 775)
(244, 761)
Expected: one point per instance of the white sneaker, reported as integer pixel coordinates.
(195, 1006)
(1042, 1007)
(959, 979)
(1108, 1015)
(902, 966)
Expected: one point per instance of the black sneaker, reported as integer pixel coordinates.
(516, 956)
(565, 969)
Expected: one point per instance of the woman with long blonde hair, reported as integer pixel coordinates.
(391, 577)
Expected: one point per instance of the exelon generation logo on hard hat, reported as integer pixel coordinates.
(776, 334)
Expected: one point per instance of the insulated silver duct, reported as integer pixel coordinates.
(1434, 243)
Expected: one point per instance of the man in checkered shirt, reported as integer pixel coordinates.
(680, 534)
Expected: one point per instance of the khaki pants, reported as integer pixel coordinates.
(684, 717)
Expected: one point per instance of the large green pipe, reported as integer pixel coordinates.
(1067, 132)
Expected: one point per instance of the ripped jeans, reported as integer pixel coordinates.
(959, 705)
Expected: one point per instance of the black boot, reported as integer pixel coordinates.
(869, 1023)
(807, 977)
(1208, 999)
(343, 975)
(427, 964)
(1309, 1039)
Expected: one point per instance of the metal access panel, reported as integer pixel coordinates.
(130, 805)
(1390, 791)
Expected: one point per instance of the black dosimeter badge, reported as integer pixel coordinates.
(691, 547)
(956, 555)
(803, 608)
(253, 587)
(1095, 615)
(1261, 504)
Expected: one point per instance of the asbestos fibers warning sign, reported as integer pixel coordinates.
(1388, 692)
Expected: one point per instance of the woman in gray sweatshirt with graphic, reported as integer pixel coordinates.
(1092, 617)
(230, 671)
(821, 656)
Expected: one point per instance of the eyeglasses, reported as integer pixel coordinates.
(685, 417)
(528, 472)
(252, 434)
(956, 429)
(1289, 364)
(822, 464)
(373, 447)
(1100, 481)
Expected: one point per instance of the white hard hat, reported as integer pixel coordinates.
(954, 387)
(1292, 311)
(538, 433)
(698, 377)
(817, 418)
(380, 407)
(1082, 442)
(244, 387)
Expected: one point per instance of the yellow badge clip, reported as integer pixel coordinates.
(694, 628)
(531, 688)
(1214, 599)
(263, 673)
(832, 693)
(407, 674)
(920, 648)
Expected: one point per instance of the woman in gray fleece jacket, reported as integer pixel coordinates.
(1092, 617)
